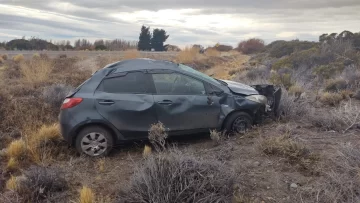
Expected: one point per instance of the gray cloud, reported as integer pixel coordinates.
(270, 20)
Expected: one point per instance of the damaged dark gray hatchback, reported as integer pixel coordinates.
(120, 102)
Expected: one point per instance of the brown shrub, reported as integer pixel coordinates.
(291, 107)
(1, 61)
(293, 151)
(331, 99)
(18, 58)
(132, 54)
(158, 136)
(5, 57)
(173, 176)
(212, 52)
(357, 95)
(86, 195)
(55, 94)
(217, 137)
(40, 184)
(12, 164)
(251, 46)
(17, 149)
(187, 55)
(36, 71)
(340, 178)
(335, 85)
(223, 48)
(348, 114)
(45, 143)
(12, 184)
(296, 90)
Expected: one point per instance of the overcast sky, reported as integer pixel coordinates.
(187, 21)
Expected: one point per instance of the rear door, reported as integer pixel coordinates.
(182, 103)
(126, 100)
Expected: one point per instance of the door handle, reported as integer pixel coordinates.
(165, 102)
(106, 102)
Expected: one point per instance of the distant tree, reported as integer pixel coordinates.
(19, 44)
(99, 42)
(82, 44)
(158, 39)
(222, 47)
(251, 46)
(144, 39)
(323, 37)
(100, 47)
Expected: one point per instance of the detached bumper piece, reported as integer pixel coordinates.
(273, 94)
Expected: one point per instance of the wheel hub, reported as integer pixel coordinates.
(94, 144)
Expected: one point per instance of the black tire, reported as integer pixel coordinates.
(242, 117)
(102, 137)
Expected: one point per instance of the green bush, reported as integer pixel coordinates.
(324, 71)
(305, 57)
(282, 48)
(282, 63)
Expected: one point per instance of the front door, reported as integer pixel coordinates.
(182, 103)
(126, 101)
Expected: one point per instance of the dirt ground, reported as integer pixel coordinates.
(261, 177)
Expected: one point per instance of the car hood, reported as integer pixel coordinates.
(240, 88)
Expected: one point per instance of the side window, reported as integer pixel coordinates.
(133, 82)
(177, 84)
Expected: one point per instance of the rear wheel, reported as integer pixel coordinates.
(94, 141)
(238, 122)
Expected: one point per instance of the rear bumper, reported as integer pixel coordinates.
(67, 125)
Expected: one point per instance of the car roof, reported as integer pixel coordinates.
(141, 64)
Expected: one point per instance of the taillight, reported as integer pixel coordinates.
(71, 102)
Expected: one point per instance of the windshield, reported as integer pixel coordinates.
(199, 74)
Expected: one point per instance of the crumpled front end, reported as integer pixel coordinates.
(273, 95)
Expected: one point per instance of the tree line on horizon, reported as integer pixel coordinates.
(155, 41)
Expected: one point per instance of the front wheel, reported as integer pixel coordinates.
(94, 141)
(238, 122)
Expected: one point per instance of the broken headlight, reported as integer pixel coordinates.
(257, 98)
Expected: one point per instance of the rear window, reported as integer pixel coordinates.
(134, 83)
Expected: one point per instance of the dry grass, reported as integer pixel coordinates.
(295, 152)
(147, 151)
(340, 180)
(12, 164)
(101, 165)
(158, 136)
(331, 99)
(132, 54)
(36, 71)
(17, 149)
(44, 142)
(347, 94)
(86, 195)
(172, 176)
(335, 85)
(348, 114)
(217, 137)
(18, 58)
(12, 183)
(187, 55)
(296, 90)
(211, 52)
(5, 57)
